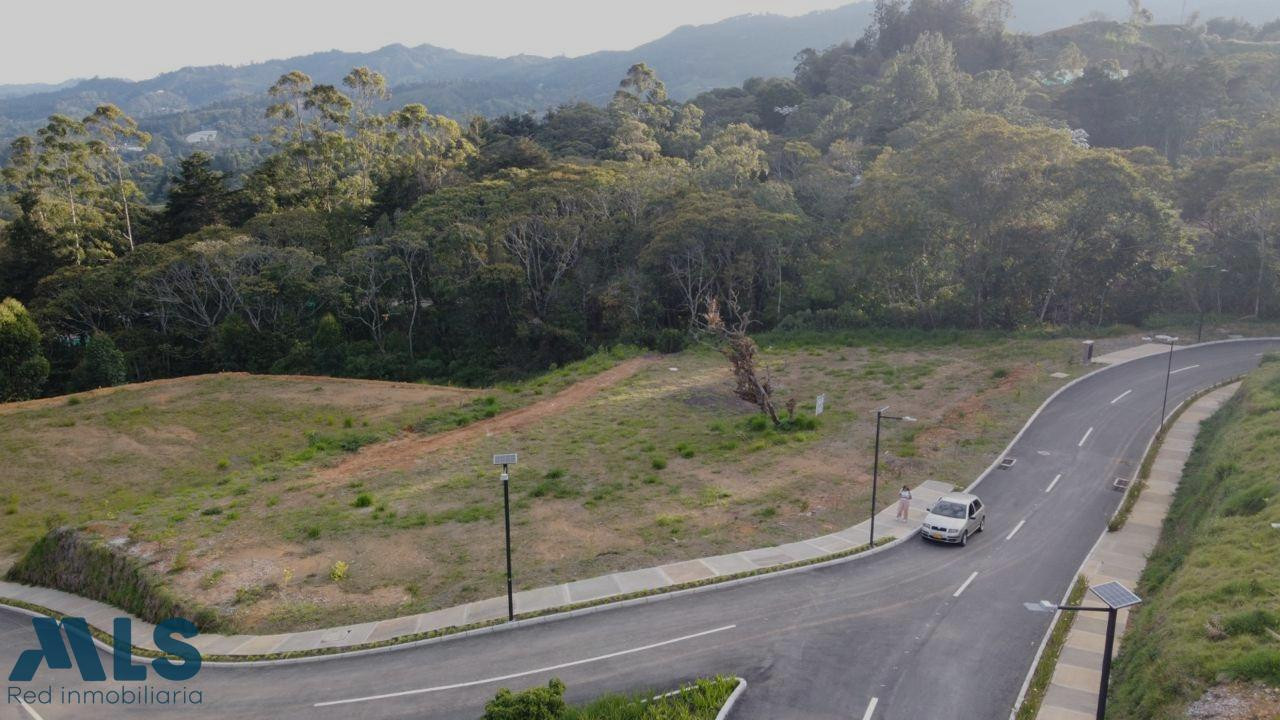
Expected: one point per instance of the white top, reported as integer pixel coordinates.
(904, 494)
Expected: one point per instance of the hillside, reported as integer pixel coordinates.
(241, 491)
(1211, 614)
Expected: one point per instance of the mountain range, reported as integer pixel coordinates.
(690, 59)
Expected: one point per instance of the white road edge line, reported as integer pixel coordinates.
(1189, 367)
(966, 584)
(871, 709)
(1120, 396)
(511, 676)
(1056, 478)
(1016, 528)
(34, 715)
(1087, 433)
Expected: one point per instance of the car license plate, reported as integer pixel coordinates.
(936, 535)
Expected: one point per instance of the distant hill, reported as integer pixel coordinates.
(23, 89)
(690, 59)
(1038, 16)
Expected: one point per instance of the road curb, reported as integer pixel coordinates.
(732, 699)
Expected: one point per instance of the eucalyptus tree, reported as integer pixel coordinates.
(111, 133)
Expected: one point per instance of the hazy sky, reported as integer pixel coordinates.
(52, 41)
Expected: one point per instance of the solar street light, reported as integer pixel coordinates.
(1116, 597)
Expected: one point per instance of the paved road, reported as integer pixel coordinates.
(919, 630)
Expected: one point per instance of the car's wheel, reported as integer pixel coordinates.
(982, 524)
(964, 539)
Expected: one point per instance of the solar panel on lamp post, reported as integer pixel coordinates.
(1117, 597)
(875, 467)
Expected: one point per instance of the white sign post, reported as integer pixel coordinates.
(820, 405)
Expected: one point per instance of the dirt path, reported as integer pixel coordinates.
(404, 452)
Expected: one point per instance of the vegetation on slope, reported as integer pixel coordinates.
(1212, 585)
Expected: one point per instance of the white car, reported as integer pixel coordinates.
(954, 518)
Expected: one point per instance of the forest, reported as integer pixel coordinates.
(940, 172)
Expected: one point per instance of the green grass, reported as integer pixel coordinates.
(162, 457)
(1212, 584)
(700, 701)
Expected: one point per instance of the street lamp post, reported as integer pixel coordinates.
(504, 461)
(875, 466)
(1168, 373)
(1117, 597)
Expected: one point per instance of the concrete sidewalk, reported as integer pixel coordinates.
(1133, 353)
(101, 615)
(1122, 555)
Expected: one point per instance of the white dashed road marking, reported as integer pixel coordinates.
(501, 678)
(966, 584)
(1087, 433)
(1016, 528)
(1120, 396)
(871, 709)
(1056, 478)
(1189, 367)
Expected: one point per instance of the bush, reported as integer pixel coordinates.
(101, 366)
(23, 367)
(670, 340)
(363, 500)
(536, 703)
(338, 572)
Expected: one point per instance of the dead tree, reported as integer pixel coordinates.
(751, 382)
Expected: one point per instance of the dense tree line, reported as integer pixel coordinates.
(932, 174)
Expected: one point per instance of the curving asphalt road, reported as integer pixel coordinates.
(913, 632)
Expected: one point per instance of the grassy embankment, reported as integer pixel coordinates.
(1212, 585)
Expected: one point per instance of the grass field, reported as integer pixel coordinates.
(1212, 585)
(248, 494)
(292, 503)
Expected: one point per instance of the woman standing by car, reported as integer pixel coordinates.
(904, 503)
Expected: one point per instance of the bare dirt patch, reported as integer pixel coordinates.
(407, 451)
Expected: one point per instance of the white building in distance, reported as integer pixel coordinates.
(201, 137)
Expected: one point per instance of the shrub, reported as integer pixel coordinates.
(536, 703)
(363, 500)
(101, 366)
(670, 340)
(658, 463)
(338, 572)
(23, 367)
